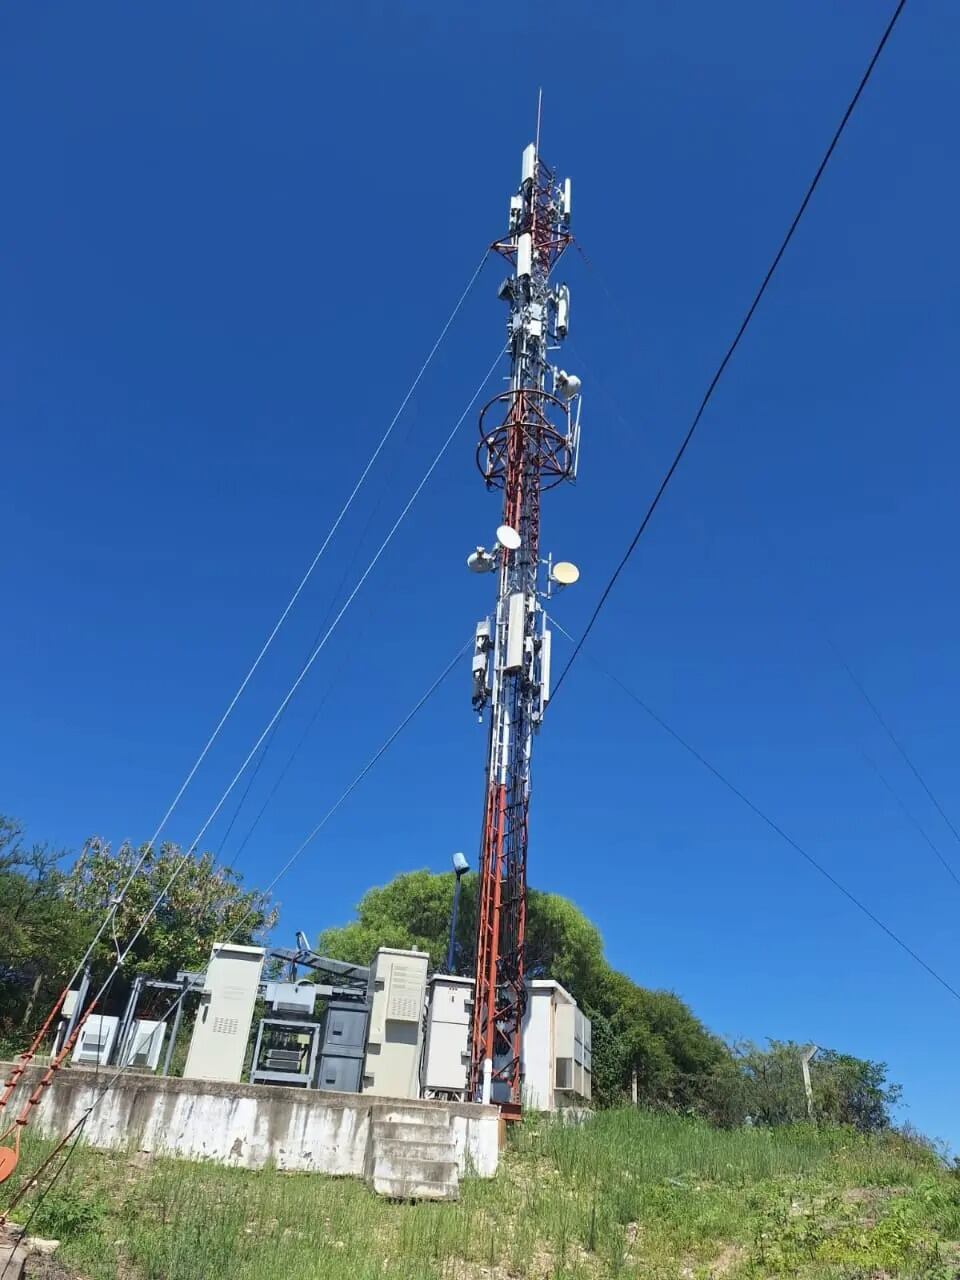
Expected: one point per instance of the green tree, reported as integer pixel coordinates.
(411, 912)
(846, 1090)
(655, 1035)
(853, 1091)
(42, 934)
(414, 910)
(563, 944)
(771, 1082)
(652, 1032)
(205, 903)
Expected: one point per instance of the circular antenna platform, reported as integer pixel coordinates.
(508, 538)
(564, 573)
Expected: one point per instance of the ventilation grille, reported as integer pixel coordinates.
(405, 1002)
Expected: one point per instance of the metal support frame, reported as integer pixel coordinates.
(349, 984)
(303, 1078)
(452, 943)
(126, 1020)
(184, 984)
(82, 993)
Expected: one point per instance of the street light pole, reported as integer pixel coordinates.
(460, 868)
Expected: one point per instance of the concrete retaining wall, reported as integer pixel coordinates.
(240, 1124)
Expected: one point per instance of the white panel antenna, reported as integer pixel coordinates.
(563, 311)
(516, 211)
(529, 164)
(516, 617)
(524, 255)
(546, 646)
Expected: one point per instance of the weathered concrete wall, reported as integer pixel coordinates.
(241, 1124)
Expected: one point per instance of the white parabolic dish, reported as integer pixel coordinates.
(508, 538)
(565, 573)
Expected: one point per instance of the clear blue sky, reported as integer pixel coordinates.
(231, 232)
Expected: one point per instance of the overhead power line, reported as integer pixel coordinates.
(841, 661)
(728, 355)
(764, 817)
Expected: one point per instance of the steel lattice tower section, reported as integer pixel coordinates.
(528, 443)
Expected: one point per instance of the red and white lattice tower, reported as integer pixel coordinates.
(528, 443)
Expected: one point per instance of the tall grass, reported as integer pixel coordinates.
(625, 1194)
(655, 1147)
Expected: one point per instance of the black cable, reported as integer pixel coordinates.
(278, 782)
(721, 368)
(273, 732)
(909, 814)
(901, 748)
(418, 706)
(280, 777)
(246, 791)
(384, 488)
(774, 826)
(347, 573)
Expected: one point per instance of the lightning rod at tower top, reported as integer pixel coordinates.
(529, 442)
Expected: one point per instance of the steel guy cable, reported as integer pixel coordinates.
(76, 1129)
(138, 865)
(184, 859)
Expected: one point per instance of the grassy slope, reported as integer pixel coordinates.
(626, 1195)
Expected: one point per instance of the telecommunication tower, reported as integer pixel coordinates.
(529, 437)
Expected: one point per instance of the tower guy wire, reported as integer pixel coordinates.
(728, 355)
(278, 781)
(312, 835)
(765, 818)
(348, 570)
(75, 1131)
(181, 863)
(138, 865)
(911, 817)
(908, 760)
